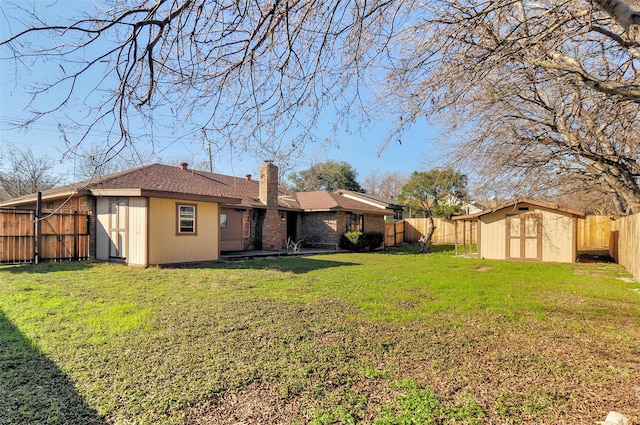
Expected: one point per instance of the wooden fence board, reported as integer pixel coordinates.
(63, 236)
(594, 232)
(625, 248)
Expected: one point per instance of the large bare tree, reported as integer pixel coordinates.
(534, 88)
(244, 75)
(254, 75)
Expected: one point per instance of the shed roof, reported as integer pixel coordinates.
(514, 204)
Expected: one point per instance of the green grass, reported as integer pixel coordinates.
(376, 338)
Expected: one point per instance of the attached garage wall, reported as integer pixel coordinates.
(166, 246)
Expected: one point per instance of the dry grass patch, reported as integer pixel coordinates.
(348, 338)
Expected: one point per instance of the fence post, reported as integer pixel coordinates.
(38, 229)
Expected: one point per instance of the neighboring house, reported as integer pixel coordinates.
(160, 214)
(527, 230)
(328, 215)
(392, 208)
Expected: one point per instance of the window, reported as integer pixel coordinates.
(186, 219)
(355, 222)
(223, 220)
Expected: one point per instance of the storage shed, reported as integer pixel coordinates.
(526, 230)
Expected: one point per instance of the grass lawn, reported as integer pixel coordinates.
(376, 338)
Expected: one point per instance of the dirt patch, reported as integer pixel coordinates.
(253, 405)
(483, 268)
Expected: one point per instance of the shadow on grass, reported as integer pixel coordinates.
(292, 264)
(414, 248)
(48, 267)
(33, 390)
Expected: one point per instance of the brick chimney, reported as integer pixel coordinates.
(269, 184)
(274, 225)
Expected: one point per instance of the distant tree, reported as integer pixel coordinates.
(23, 172)
(384, 184)
(98, 162)
(436, 193)
(329, 175)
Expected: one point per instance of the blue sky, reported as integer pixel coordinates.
(419, 149)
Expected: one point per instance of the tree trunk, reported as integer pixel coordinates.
(624, 12)
(425, 241)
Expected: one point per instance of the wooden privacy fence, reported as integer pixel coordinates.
(625, 243)
(593, 232)
(55, 236)
(394, 233)
(414, 228)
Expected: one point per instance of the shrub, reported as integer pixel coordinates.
(352, 241)
(373, 240)
(358, 241)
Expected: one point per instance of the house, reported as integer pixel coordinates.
(161, 214)
(326, 216)
(268, 216)
(154, 214)
(528, 230)
(393, 208)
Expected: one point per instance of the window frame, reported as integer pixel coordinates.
(180, 219)
(355, 222)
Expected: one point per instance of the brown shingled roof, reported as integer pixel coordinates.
(171, 181)
(330, 201)
(166, 180)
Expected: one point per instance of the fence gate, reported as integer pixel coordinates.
(394, 233)
(59, 236)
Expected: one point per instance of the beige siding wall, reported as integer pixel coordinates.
(231, 236)
(102, 226)
(492, 236)
(558, 236)
(167, 247)
(137, 232)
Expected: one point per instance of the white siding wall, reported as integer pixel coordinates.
(137, 232)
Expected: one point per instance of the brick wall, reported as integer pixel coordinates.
(268, 184)
(321, 227)
(274, 231)
(373, 223)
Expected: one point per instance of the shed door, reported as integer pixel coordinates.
(118, 228)
(524, 237)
